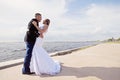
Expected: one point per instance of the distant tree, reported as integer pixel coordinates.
(118, 39)
(111, 39)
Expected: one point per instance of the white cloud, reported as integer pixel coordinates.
(97, 22)
(104, 18)
(93, 22)
(16, 14)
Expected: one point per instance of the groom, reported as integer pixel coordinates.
(30, 38)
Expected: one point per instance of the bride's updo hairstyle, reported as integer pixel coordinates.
(46, 21)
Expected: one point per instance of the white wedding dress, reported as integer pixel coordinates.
(41, 62)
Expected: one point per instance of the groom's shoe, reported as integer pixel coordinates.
(28, 73)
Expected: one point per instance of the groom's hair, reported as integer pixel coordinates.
(37, 14)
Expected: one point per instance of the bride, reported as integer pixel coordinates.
(41, 62)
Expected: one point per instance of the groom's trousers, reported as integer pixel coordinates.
(26, 66)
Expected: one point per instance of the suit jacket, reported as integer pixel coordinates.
(32, 32)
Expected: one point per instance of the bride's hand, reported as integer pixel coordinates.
(41, 35)
(34, 23)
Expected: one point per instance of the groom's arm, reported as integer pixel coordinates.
(35, 24)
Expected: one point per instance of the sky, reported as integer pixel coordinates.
(71, 20)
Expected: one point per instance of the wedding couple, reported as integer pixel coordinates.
(37, 60)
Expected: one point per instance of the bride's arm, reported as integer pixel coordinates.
(41, 35)
(45, 28)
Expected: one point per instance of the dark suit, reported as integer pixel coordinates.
(30, 39)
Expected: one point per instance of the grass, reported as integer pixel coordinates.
(117, 42)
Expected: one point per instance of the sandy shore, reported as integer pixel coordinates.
(101, 62)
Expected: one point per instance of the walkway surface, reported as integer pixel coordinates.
(101, 62)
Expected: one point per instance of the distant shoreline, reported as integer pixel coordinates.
(47, 41)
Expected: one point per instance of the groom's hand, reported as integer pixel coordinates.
(35, 24)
